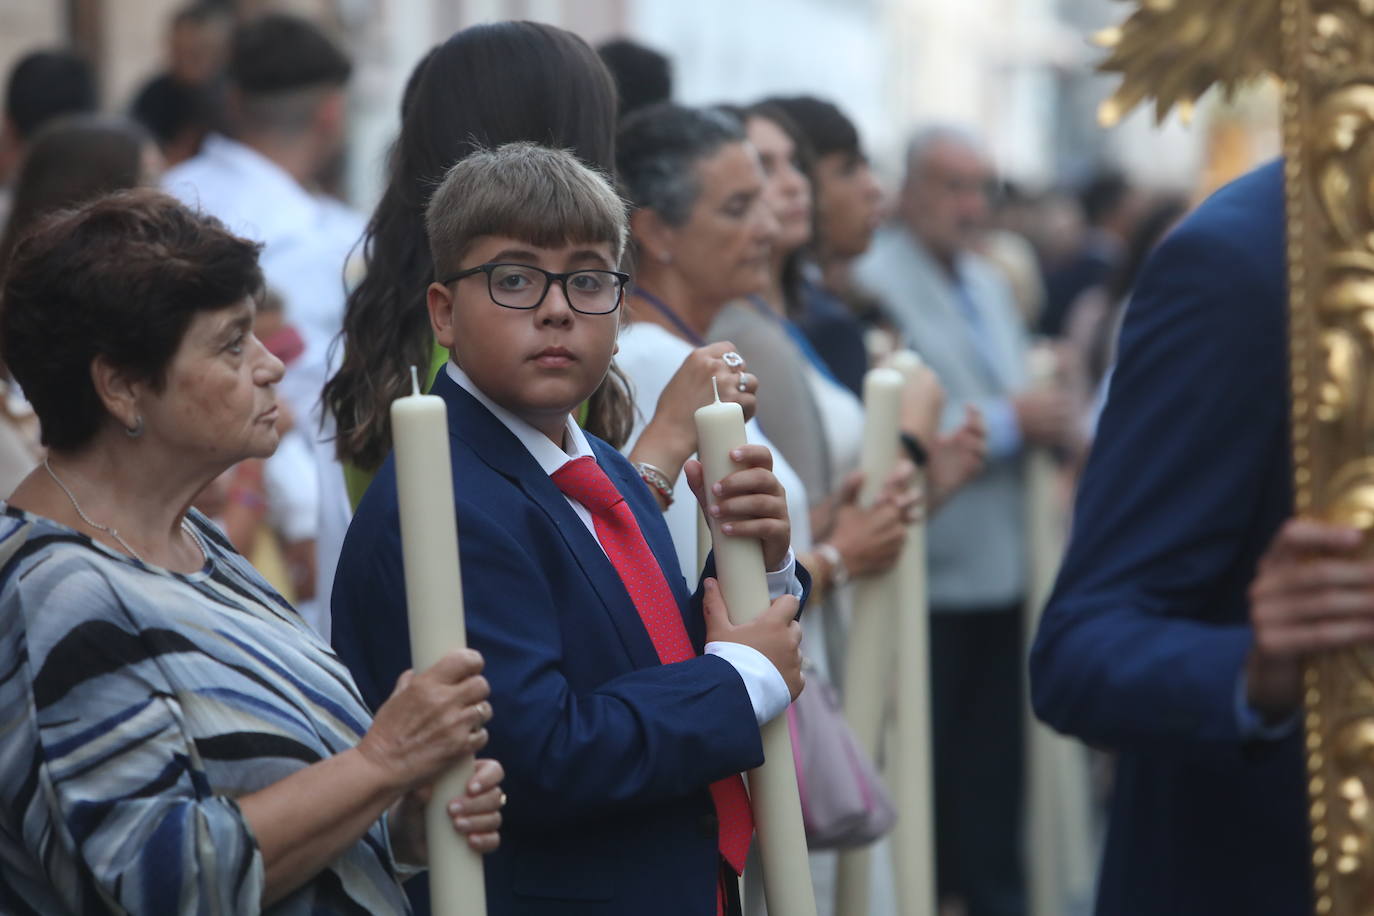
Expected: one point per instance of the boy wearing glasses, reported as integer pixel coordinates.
(625, 706)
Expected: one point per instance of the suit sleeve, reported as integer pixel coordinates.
(1130, 652)
(648, 735)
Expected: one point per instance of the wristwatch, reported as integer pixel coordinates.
(915, 450)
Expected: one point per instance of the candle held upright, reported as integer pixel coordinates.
(743, 582)
(868, 662)
(911, 769)
(434, 600)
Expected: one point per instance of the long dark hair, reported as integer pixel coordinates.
(486, 85)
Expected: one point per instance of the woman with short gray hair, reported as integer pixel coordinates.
(703, 237)
(700, 235)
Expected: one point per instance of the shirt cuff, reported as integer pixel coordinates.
(783, 580)
(1251, 724)
(1004, 435)
(768, 692)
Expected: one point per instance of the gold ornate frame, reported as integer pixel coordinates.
(1323, 50)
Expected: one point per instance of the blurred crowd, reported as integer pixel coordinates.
(757, 222)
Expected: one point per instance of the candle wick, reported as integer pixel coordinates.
(415, 380)
(715, 386)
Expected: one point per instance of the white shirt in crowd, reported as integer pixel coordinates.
(307, 243)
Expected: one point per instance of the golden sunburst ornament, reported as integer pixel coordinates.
(1172, 51)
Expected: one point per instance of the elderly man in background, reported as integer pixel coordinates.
(954, 308)
(287, 113)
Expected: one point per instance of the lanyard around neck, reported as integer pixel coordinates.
(673, 317)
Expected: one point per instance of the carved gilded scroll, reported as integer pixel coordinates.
(1328, 69)
(1172, 51)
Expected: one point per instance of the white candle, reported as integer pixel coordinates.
(1058, 816)
(744, 586)
(434, 598)
(913, 837)
(868, 662)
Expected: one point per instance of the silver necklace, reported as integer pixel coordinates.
(195, 538)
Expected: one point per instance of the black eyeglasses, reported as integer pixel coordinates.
(522, 286)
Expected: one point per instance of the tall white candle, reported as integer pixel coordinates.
(1059, 820)
(434, 598)
(743, 583)
(913, 837)
(868, 662)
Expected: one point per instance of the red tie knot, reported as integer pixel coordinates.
(583, 480)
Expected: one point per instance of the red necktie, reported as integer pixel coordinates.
(583, 480)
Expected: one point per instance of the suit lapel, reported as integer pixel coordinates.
(496, 446)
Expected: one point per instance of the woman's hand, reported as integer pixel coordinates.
(956, 458)
(431, 721)
(870, 539)
(690, 387)
(749, 502)
(670, 437)
(1311, 593)
(476, 815)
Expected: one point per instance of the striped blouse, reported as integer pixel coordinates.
(135, 705)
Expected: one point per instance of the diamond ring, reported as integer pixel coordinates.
(732, 359)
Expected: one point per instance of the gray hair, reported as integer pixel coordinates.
(657, 149)
(926, 138)
(543, 197)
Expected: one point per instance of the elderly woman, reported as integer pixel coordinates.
(177, 740)
(703, 237)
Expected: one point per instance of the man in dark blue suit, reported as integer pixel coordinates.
(614, 753)
(1175, 632)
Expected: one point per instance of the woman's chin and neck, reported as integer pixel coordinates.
(134, 484)
(696, 307)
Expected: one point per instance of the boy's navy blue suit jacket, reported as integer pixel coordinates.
(607, 752)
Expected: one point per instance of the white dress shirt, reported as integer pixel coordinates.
(767, 690)
(307, 239)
